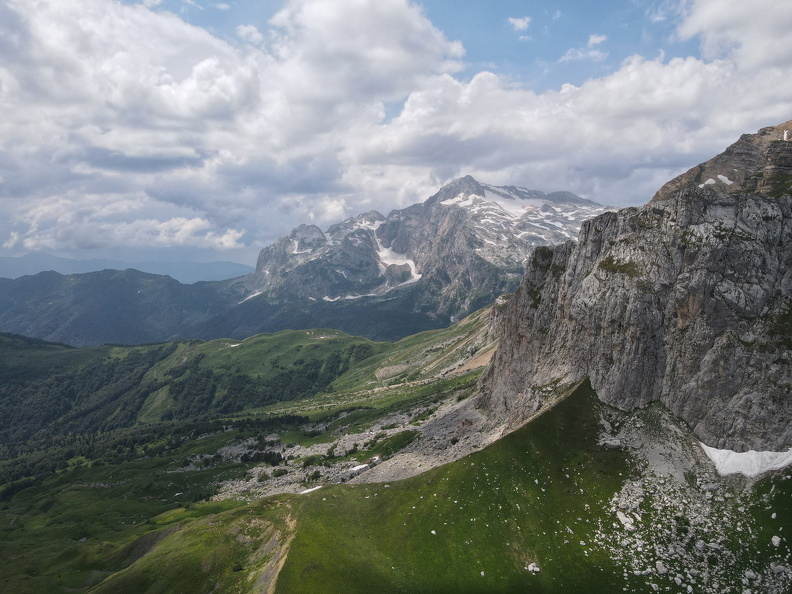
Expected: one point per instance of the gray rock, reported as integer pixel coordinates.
(686, 301)
(466, 245)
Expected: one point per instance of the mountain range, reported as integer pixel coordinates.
(182, 271)
(620, 423)
(381, 277)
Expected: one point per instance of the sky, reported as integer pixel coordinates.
(206, 129)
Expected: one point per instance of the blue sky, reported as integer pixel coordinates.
(494, 37)
(205, 129)
(524, 41)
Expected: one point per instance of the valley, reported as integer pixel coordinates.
(618, 423)
(381, 477)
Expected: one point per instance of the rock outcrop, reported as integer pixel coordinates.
(687, 301)
(453, 253)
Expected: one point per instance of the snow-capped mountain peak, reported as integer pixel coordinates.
(466, 230)
(510, 220)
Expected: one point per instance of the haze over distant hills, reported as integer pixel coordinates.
(183, 271)
(419, 268)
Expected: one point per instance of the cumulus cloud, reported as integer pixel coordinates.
(117, 100)
(595, 39)
(250, 34)
(520, 24)
(130, 127)
(752, 35)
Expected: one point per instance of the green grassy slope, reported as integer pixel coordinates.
(422, 356)
(74, 529)
(227, 376)
(23, 358)
(540, 495)
(127, 510)
(471, 526)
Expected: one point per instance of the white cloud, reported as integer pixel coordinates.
(596, 39)
(117, 100)
(587, 53)
(127, 126)
(78, 221)
(752, 35)
(615, 138)
(250, 34)
(583, 54)
(222, 6)
(520, 24)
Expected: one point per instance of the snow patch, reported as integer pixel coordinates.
(387, 257)
(750, 463)
(513, 206)
(709, 182)
(725, 180)
(256, 294)
(310, 490)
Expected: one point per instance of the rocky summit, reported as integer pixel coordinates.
(455, 252)
(686, 300)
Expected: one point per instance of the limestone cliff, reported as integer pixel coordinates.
(687, 300)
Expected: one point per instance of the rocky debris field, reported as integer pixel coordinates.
(679, 525)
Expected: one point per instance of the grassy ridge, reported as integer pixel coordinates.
(494, 512)
(421, 356)
(23, 358)
(227, 376)
(471, 526)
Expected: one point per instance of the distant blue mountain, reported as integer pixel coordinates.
(184, 272)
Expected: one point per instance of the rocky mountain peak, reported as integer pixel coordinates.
(307, 238)
(368, 220)
(466, 186)
(443, 258)
(686, 301)
(760, 163)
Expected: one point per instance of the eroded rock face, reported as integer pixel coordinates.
(687, 300)
(453, 253)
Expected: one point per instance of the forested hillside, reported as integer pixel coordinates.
(60, 404)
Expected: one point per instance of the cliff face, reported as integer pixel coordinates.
(687, 300)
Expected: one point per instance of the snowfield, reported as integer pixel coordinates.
(750, 463)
